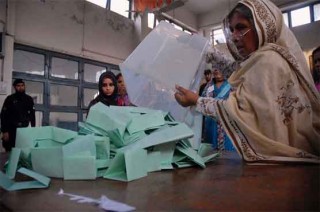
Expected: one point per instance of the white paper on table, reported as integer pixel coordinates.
(104, 202)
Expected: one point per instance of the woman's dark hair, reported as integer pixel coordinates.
(244, 10)
(118, 76)
(315, 74)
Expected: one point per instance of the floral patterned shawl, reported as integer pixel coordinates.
(273, 112)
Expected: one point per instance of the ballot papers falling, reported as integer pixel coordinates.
(117, 143)
(166, 57)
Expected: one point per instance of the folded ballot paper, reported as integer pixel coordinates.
(166, 57)
(118, 143)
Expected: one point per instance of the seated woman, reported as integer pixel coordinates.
(218, 88)
(272, 114)
(108, 90)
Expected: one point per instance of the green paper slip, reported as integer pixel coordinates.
(146, 121)
(166, 150)
(192, 155)
(80, 144)
(62, 135)
(116, 138)
(131, 138)
(27, 137)
(154, 161)
(102, 147)
(178, 156)
(205, 149)
(101, 164)
(127, 166)
(79, 168)
(169, 117)
(47, 161)
(184, 164)
(108, 119)
(211, 157)
(165, 135)
(86, 128)
(10, 185)
(44, 143)
(185, 143)
(132, 109)
(13, 163)
(101, 172)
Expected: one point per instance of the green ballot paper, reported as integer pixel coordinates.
(10, 185)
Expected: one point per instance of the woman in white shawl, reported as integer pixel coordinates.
(273, 112)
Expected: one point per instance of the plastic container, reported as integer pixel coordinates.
(166, 57)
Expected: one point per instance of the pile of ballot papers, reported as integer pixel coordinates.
(119, 143)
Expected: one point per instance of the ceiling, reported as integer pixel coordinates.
(199, 7)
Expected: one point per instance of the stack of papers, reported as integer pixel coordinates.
(119, 143)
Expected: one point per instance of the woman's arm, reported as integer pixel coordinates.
(204, 105)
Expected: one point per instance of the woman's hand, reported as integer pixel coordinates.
(185, 97)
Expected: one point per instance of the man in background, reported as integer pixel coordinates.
(17, 111)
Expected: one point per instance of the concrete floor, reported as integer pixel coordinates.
(225, 185)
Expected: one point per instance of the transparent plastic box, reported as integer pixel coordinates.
(166, 57)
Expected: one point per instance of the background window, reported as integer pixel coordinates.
(300, 16)
(101, 3)
(60, 100)
(64, 68)
(115, 71)
(35, 90)
(88, 95)
(93, 72)
(39, 116)
(63, 95)
(28, 62)
(150, 20)
(120, 6)
(316, 10)
(217, 36)
(286, 19)
(64, 120)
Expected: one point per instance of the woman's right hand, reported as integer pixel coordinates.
(185, 97)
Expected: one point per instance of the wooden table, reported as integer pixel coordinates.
(227, 184)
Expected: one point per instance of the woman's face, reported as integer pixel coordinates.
(243, 34)
(107, 86)
(121, 86)
(316, 60)
(218, 76)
